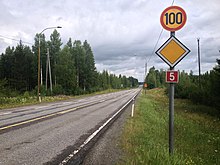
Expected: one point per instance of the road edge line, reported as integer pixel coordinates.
(70, 156)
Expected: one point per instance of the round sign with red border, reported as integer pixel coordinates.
(173, 18)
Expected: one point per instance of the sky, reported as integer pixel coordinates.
(123, 34)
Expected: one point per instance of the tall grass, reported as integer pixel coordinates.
(28, 99)
(145, 138)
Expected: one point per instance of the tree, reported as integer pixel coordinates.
(54, 46)
(73, 67)
(16, 68)
(216, 83)
(90, 69)
(66, 75)
(7, 65)
(151, 78)
(43, 57)
(79, 57)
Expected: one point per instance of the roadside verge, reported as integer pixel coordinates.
(145, 138)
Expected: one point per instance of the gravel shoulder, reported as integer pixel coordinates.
(107, 150)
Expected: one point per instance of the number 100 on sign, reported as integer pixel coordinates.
(173, 18)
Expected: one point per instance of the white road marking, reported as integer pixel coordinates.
(6, 113)
(95, 133)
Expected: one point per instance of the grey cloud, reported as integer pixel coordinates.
(117, 30)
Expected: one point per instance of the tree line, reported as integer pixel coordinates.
(204, 90)
(72, 66)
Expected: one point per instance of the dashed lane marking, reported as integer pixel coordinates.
(6, 113)
(47, 116)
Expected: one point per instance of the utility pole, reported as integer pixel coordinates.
(145, 72)
(145, 78)
(47, 63)
(48, 67)
(199, 63)
(135, 68)
(39, 72)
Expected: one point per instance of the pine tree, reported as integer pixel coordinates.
(54, 47)
(43, 57)
(90, 70)
(66, 71)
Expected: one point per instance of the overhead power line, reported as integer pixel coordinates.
(155, 45)
(157, 41)
(13, 39)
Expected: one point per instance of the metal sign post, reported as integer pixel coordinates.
(171, 112)
(172, 52)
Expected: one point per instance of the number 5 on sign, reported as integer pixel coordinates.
(172, 76)
(173, 18)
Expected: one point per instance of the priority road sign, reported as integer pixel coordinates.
(172, 76)
(172, 51)
(173, 18)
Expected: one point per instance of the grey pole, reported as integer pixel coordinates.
(39, 64)
(47, 63)
(51, 88)
(48, 67)
(199, 63)
(171, 112)
(145, 77)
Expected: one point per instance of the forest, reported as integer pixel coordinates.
(201, 90)
(72, 66)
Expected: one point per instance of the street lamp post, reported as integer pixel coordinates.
(39, 66)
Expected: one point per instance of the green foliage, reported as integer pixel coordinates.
(58, 90)
(145, 138)
(3, 88)
(65, 70)
(73, 69)
(16, 68)
(26, 94)
(155, 78)
(206, 91)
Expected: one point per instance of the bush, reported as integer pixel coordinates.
(58, 90)
(26, 95)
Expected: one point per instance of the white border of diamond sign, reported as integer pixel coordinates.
(165, 44)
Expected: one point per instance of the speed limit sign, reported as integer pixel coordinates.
(173, 18)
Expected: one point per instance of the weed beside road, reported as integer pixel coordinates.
(145, 138)
(26, 99)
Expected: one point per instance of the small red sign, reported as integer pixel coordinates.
(172, 76)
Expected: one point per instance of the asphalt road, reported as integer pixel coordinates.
(107, 150)
(49, 133)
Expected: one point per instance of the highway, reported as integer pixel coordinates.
(56, 133)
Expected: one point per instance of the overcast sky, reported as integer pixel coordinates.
(122, 33)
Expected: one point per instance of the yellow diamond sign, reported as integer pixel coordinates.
(172, 51)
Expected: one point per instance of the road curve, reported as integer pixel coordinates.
(52, 133)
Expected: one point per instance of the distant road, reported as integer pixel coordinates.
(53, 133)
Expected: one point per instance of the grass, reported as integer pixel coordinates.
(10, 102)
(145, 137)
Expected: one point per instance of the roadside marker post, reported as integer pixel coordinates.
(172, 52)
(145, 88)
(132, 109)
